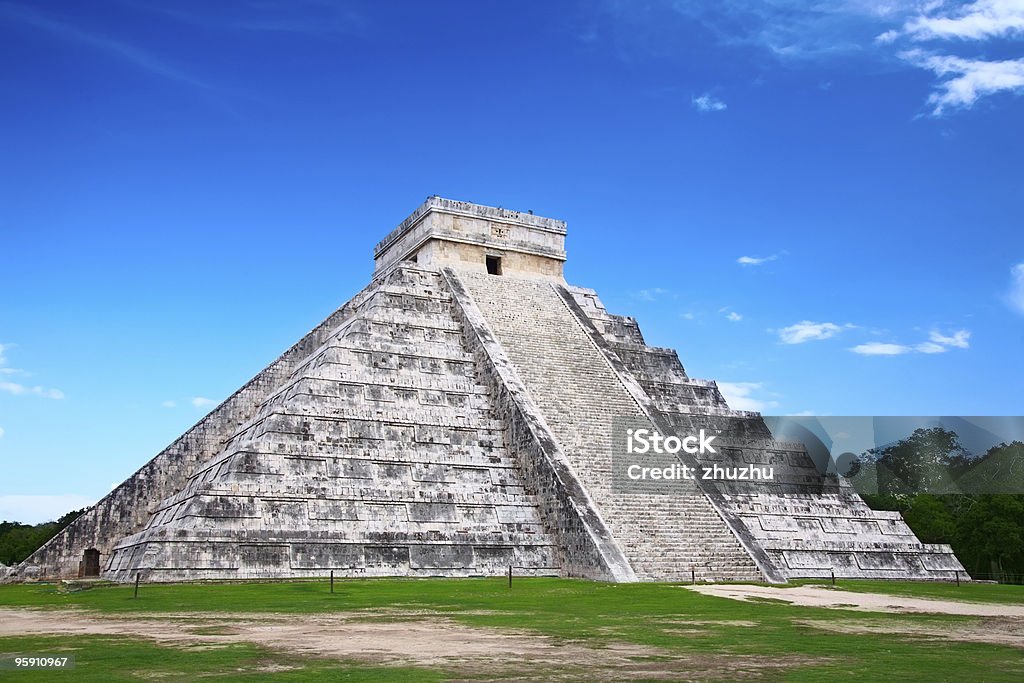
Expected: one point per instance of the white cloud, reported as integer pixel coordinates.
(2, 432)
(3, 362)
(806, 330)
(741, 396)
(960, 339)
(1015, 297)
(963, 81)
(41, 508)
(930, 347)
(760, 260)
(733, 316)
(202, 402)
(787, 29)
(687, 316)
(937, 343)
(21, 390)
(755, 260)
(652, 293)
(881, 349)
(977, 21)
(708, 102)
(168, 404)
(966, 80)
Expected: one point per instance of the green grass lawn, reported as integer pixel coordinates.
(104, 659)
(676, 620)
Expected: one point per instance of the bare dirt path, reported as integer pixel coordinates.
(998, 624)
(395, 638)
(347, 636)
(818, 596)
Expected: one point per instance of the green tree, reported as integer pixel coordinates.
(18, 541)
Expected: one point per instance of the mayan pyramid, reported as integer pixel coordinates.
(454, 419)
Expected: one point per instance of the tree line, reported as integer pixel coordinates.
(18, 541)
(946, 495)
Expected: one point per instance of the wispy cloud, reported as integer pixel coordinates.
(708, 102)
(135, 56)
(959, 339)
(975, 21)
(796, 31)
(758, 260)
(23, 390)
(304, 17)
(937, 343)
(168, 404)
(791, 30)
(202, 402)
(18, 389)
(807, 330)
(881, 349)
(730, 315)
(963, 81)
(1015, 296)
(4, 370)
(747, 396)
(2, 432)
(652, 294)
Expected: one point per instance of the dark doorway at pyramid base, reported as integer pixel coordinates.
(90, 565)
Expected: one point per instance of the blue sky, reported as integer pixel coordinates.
(819, 208)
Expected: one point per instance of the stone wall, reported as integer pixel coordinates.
(580, 395)
(127, 508)
(585, 544)
(381, 455)
(800, 530)
(446, 232)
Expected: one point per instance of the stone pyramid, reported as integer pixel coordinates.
(456, 418)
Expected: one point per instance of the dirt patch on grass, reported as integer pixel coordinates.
(424, 640)
(743, 623)
(818, 596)
(997, 630)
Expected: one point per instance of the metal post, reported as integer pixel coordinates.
(693, 576)
(332, 581)
(833, 572)
(957, 578)
(137, 585)
(510, 577)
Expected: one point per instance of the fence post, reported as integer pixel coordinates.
(332, 581)
(137, 585)
(510, 577)
(958, 578)
(833, 573)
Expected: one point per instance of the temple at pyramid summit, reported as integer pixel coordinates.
(457, 418)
